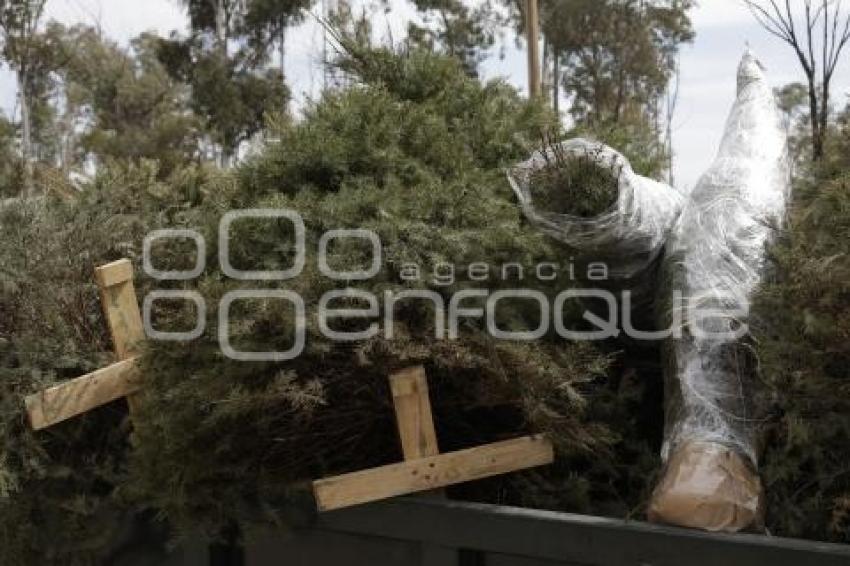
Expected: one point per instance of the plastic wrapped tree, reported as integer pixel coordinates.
(711, 245)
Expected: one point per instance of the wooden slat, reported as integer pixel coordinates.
(114, 273)
(432, 472)
(82, 394)
(413, 413)
(121, 309)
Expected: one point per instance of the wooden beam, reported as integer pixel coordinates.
(118, 297)
(80, 395)
(413, 413)
(432, 472)
(121, 309)
(414, 419)
(114, 273)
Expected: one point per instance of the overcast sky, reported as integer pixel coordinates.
(708, 66)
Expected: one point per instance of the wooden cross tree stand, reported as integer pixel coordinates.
(423, 468)
(121, 379)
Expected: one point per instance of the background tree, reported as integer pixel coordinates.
(615, 60)
(793, 100)
(121, 103)
(10, 164)
(264, 23)
(457, 29)
(45, 57)
(802, 322)
(215, 16)
(618, 53)
(231, 92)
(230, 99)
(818, 41)
(254, 25)
(19, 20)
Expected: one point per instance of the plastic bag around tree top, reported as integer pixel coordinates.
(716, 257)
(630, 235)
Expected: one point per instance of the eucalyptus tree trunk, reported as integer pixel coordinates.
(221, 26)
(546, 78)
(26, 134)
(556, 82)
(282, 50)
(224, 153)
(282, 54)
(814, 116)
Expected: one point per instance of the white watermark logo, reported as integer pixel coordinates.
(707, 316)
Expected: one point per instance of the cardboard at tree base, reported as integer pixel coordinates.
(710, 487)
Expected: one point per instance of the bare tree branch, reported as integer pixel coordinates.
(838, 40)
(819, 49)
(770, 23)
(809, 27)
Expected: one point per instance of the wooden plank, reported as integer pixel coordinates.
(82, 394)
(121, 309)
(414, 419)
(413, 413)
(114, 273)
(432, 472)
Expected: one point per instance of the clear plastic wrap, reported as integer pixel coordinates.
(716, 257)
(714, 243)
(628, 237)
